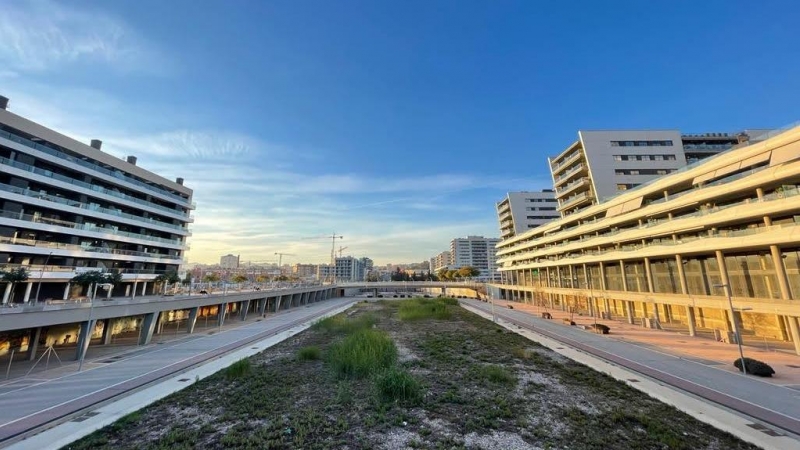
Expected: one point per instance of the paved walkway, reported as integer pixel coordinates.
(29, 403)
(768, 401)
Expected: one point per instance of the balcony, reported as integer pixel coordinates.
(566, 176)
(72, 247)
(116, 174)
(85, 227)
(90, 207)
(570, 187)
(575, 201)
(92, 187)
(569, 159)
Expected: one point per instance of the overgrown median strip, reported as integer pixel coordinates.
(420, 373)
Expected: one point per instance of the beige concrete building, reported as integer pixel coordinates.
(665, 252)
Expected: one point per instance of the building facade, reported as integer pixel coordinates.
(601, 164)
(478, 252)
(441, 261)
(522, 211)
(67, 207)
(229, 261)
(304, 270)
(670, 250)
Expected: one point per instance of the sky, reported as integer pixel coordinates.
(397, 125)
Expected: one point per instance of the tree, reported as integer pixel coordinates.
(95, 277)
(188, 278)
(262, 279)
(14, 276)
(452, 274)
(468, 272)
(167, 278)
(211, 278)
(443, 274)
(239, 278)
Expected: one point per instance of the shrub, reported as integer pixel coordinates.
(755, 367)
(449, 301)
(600, 328)
(309, 353)
(238, 369)
(362, 353)
(397, 385)
(341, 324)
(495, 374)
(420, 308)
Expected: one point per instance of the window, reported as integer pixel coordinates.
(664, 143)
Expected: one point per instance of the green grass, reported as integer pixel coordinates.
(362, 353)
(495, 374)
(397, 385)
(309, 353)
(449, 301)
(424, 308)
(238, 369)
(342, 324)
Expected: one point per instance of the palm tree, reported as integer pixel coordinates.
(167, 278)
(14, 276)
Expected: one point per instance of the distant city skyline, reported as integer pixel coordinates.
(398, 126)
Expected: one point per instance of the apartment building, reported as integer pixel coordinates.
(522, 211)
(229, 261)
(441, 261)
(68, 207)
(670, 250)
(601, 164)
(304, 270)
(475, 251)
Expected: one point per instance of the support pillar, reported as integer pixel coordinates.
(66, 291)
(144, 288)
(691, 320)
(795, 333)
(262, 306)
(245, 304)
(84, 336)
(193, 313)
(108, 331)
(133, 291)
(304, 298)
(278, 300)
(28, 287)
(33, 343)
(148, 327)
(7, 293)
(222, 309)
(629, 311)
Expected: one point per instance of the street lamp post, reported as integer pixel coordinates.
(41, 274)
(91, 313)
(735, 324)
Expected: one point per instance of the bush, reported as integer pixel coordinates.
(309, 353)
(449, 301)
(600, 328)
(755, 367)
(397, 385)
(419, 308)
(341, 324)
(238, 369)
(362, 353)
(495, 374)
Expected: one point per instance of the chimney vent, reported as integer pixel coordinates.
(96, 143)
(131, 159)
(179, 180)
(3, 102)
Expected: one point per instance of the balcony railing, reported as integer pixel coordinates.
(92, 187)
(84, 226)
(574, 200)
(577, 168)
(75, 204)
(567, 160)
(88, 165)
(91, 249)
(570, 186)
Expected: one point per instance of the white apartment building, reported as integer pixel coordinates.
(522, 211)
(67, 207)
(478, 252)
(601, 164)
(441, 261)
(229, 261)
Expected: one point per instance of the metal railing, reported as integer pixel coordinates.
(75, 247)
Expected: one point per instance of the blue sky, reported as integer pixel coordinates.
(395, 124)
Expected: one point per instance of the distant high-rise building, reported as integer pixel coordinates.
(349, 268)
(602, 164)
(521, 211)
(229, 261)
(441, 261)
(478, 252)
(304, 270)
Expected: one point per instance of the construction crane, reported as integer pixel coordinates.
(333, 237)
(341, 249)
(280, 260)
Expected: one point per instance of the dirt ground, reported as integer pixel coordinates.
(483, 388)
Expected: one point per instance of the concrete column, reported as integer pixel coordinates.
(127, 291)
(648, 272)
(148, 327)
(33, 343)
(222, 311)
(682, 275)
(107, 331)
(245, 306)
(691, 320)
(296, 299)
(795, 333)
(66, 291)
(628, 311)
(84, 336)
(622, 274)
(780, 272)
(144, 288)
(305, 298)
(28, 287)
(723, 273)
(193, 313)
(7, 293)
(133, 290)
(262, 306)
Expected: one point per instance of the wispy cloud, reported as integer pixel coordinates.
(41, 35)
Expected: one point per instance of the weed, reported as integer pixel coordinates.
(342, 324)
(309, 353)
(495, 374)
(238, 369)
(344, 393)
(362, 353)
(397, 385)
(421, 308)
